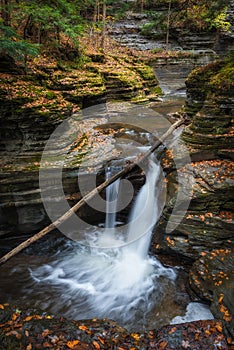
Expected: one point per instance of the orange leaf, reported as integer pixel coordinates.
(221, 298)
(219, 328)
(172, 330)
(46, 345)
(28, 318)
(29, 347)
(96, 345)
(101, 340)
(45, 332)
(135, 336)
(202, 217)
(72, 343)
(1, 306)
(163, 344)
(227, 318)
(83, 328)
(14, 317)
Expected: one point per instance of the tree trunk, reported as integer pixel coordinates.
(90, 195)
(104, 25)
(168, 25)
(5, 12)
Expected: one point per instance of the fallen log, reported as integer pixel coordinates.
(91, 194)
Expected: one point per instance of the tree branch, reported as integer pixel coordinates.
(90, 195)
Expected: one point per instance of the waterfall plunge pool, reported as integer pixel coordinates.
(64, 277)
(102, 281)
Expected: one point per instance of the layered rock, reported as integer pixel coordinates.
(212, 279)
(35, 104)
(203, 229)
(208, 139)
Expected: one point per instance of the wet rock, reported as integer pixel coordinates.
(193, 40)
(212, 279)
(34, 105)
(208, 222)
(35, 330)
(198, 335)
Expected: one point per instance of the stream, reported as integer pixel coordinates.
(109, 272)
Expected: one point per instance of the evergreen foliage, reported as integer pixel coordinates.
(12, 45)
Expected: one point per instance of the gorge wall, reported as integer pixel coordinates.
(205, 233)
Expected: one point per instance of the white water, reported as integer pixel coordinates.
(194, 311)
(111, 201)
(124, 283)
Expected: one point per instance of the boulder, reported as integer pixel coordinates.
(211, 278)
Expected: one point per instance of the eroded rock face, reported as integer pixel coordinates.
(208, 223)
(212, 279)
(33, 105)
(205, 233)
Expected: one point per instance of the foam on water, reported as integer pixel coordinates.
(118, 286)
(194, 312)
(120, 283)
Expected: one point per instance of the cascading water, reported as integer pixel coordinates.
(111, 200)
(123, 283)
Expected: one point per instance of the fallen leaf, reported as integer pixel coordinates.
(135, 336)
(45, 332)
(101, 340)
(219, 328)
(28, 318)
(172, 330)
(221, 298)
(83, 328)
(72, 343)
(185, 344)
(96, 345)
(162, 344)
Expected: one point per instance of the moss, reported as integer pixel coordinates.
(146, 72)
(214, 83)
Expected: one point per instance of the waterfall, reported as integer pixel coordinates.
(121, 282)
(111, 200)
(144, 213)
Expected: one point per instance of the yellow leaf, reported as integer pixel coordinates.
(135, 336)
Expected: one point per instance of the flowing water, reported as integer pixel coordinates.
(114, 277)
(124, 283)
(119, 283)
